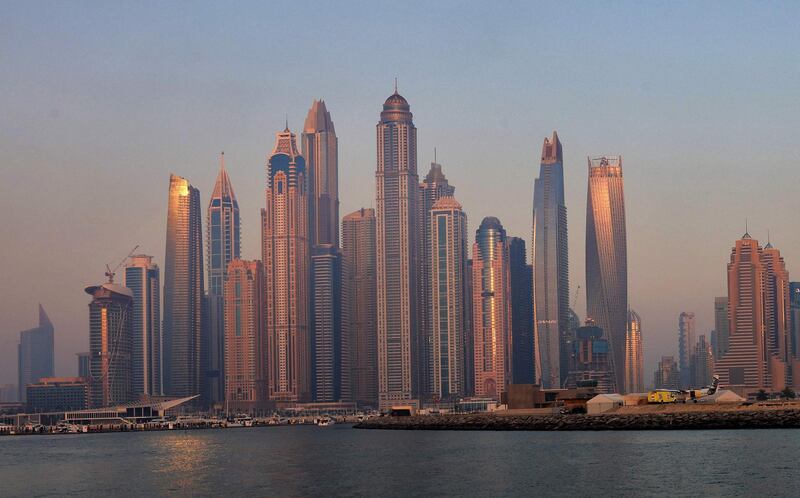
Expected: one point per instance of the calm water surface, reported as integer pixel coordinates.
(338, 460)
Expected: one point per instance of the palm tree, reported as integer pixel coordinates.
(788, 393)
(762, 395)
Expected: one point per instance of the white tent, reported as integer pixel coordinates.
(603, 403)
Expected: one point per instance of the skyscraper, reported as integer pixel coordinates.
(634, 356)
(397, 230)
(607, 257)
(702, 364)
(83, 364)
(35, 353)
(448, 252)
(491, 293)
(183, 291)
(721, 326)
(224, 244)
(469, 332)
(286, 268)
(750, 362)
(550, 265)
(321, 152)
(110, 314)
(433, 187)
(330, 344)
(590, 361)
(358, 253)
(522, 330)
(329, 341)
(142, 278)
(686, 343)
(777, 312)
(667, 375)
(794, 307)
(245, 341)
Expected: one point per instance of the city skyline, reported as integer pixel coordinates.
(657, 172)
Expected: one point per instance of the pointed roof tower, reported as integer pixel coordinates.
(318, 119)
(223, 188)
(551, 150)
(43, 318)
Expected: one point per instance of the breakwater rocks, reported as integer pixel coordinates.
(740, 419)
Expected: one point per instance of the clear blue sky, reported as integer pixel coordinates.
(99, 102)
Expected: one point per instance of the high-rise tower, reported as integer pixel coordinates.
(522, 330)
(358, 253)
(286, 268)
(550, 265)
(110, 315)
(35, 353)
(634, 357)
(245, 342)
(721, 326)
(686, 343)
(183, 291)
(607, 257)
(142, 278)
(448, 252)
(433, 187)
(397, 230)
(329, 341)
(491, 292)
(224, 245)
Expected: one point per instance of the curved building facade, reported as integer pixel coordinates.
(491, 289)
(634, 357)
(607, 258)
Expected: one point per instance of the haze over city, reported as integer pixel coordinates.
(100, 103)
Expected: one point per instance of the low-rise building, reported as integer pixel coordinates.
(53, 394)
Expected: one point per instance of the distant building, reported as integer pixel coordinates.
(721, 336)
(83, 365)
(550, 260)
(491, 300)
(432, 188)
(667, 375)
(634, 356)
(758, 312)
(794, 309)
(35, 353)
(223, 239)
(286, 267)
(448, 253)
(183, 292)
(702, 364)
(522, 330)
(52, 394)
(8, 393)
(686, 343)
(358, 253)
(245, 340)
(469, 332)
(591, 360)
(330, 343)
(397, 230)
(607, 257)
(110, 314)
(142, 278)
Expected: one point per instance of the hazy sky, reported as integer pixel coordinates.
(99, 102)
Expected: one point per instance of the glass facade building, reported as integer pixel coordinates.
(142, 278)
(607, 258)
(550, 266)
(35, 353)
(183, 292)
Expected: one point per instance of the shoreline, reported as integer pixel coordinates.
(721, 419)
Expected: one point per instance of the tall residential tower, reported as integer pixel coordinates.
(607, 257)
(35, 353)
(183, 291)
(397, 230)
(550, 266)
(142, 278)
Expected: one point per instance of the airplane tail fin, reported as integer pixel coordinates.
(714, 385)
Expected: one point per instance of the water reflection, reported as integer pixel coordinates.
(183, 459)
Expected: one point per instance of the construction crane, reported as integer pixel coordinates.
(110, 273)
(575, 297)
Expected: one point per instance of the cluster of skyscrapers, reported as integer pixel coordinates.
(399, 310)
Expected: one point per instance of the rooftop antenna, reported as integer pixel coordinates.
(395, 84)
(222, 159)
(286, 115)
(434, 154)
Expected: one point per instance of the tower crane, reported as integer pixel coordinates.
(110, 273)
(575, 297)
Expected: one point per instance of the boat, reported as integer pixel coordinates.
(324, 421)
